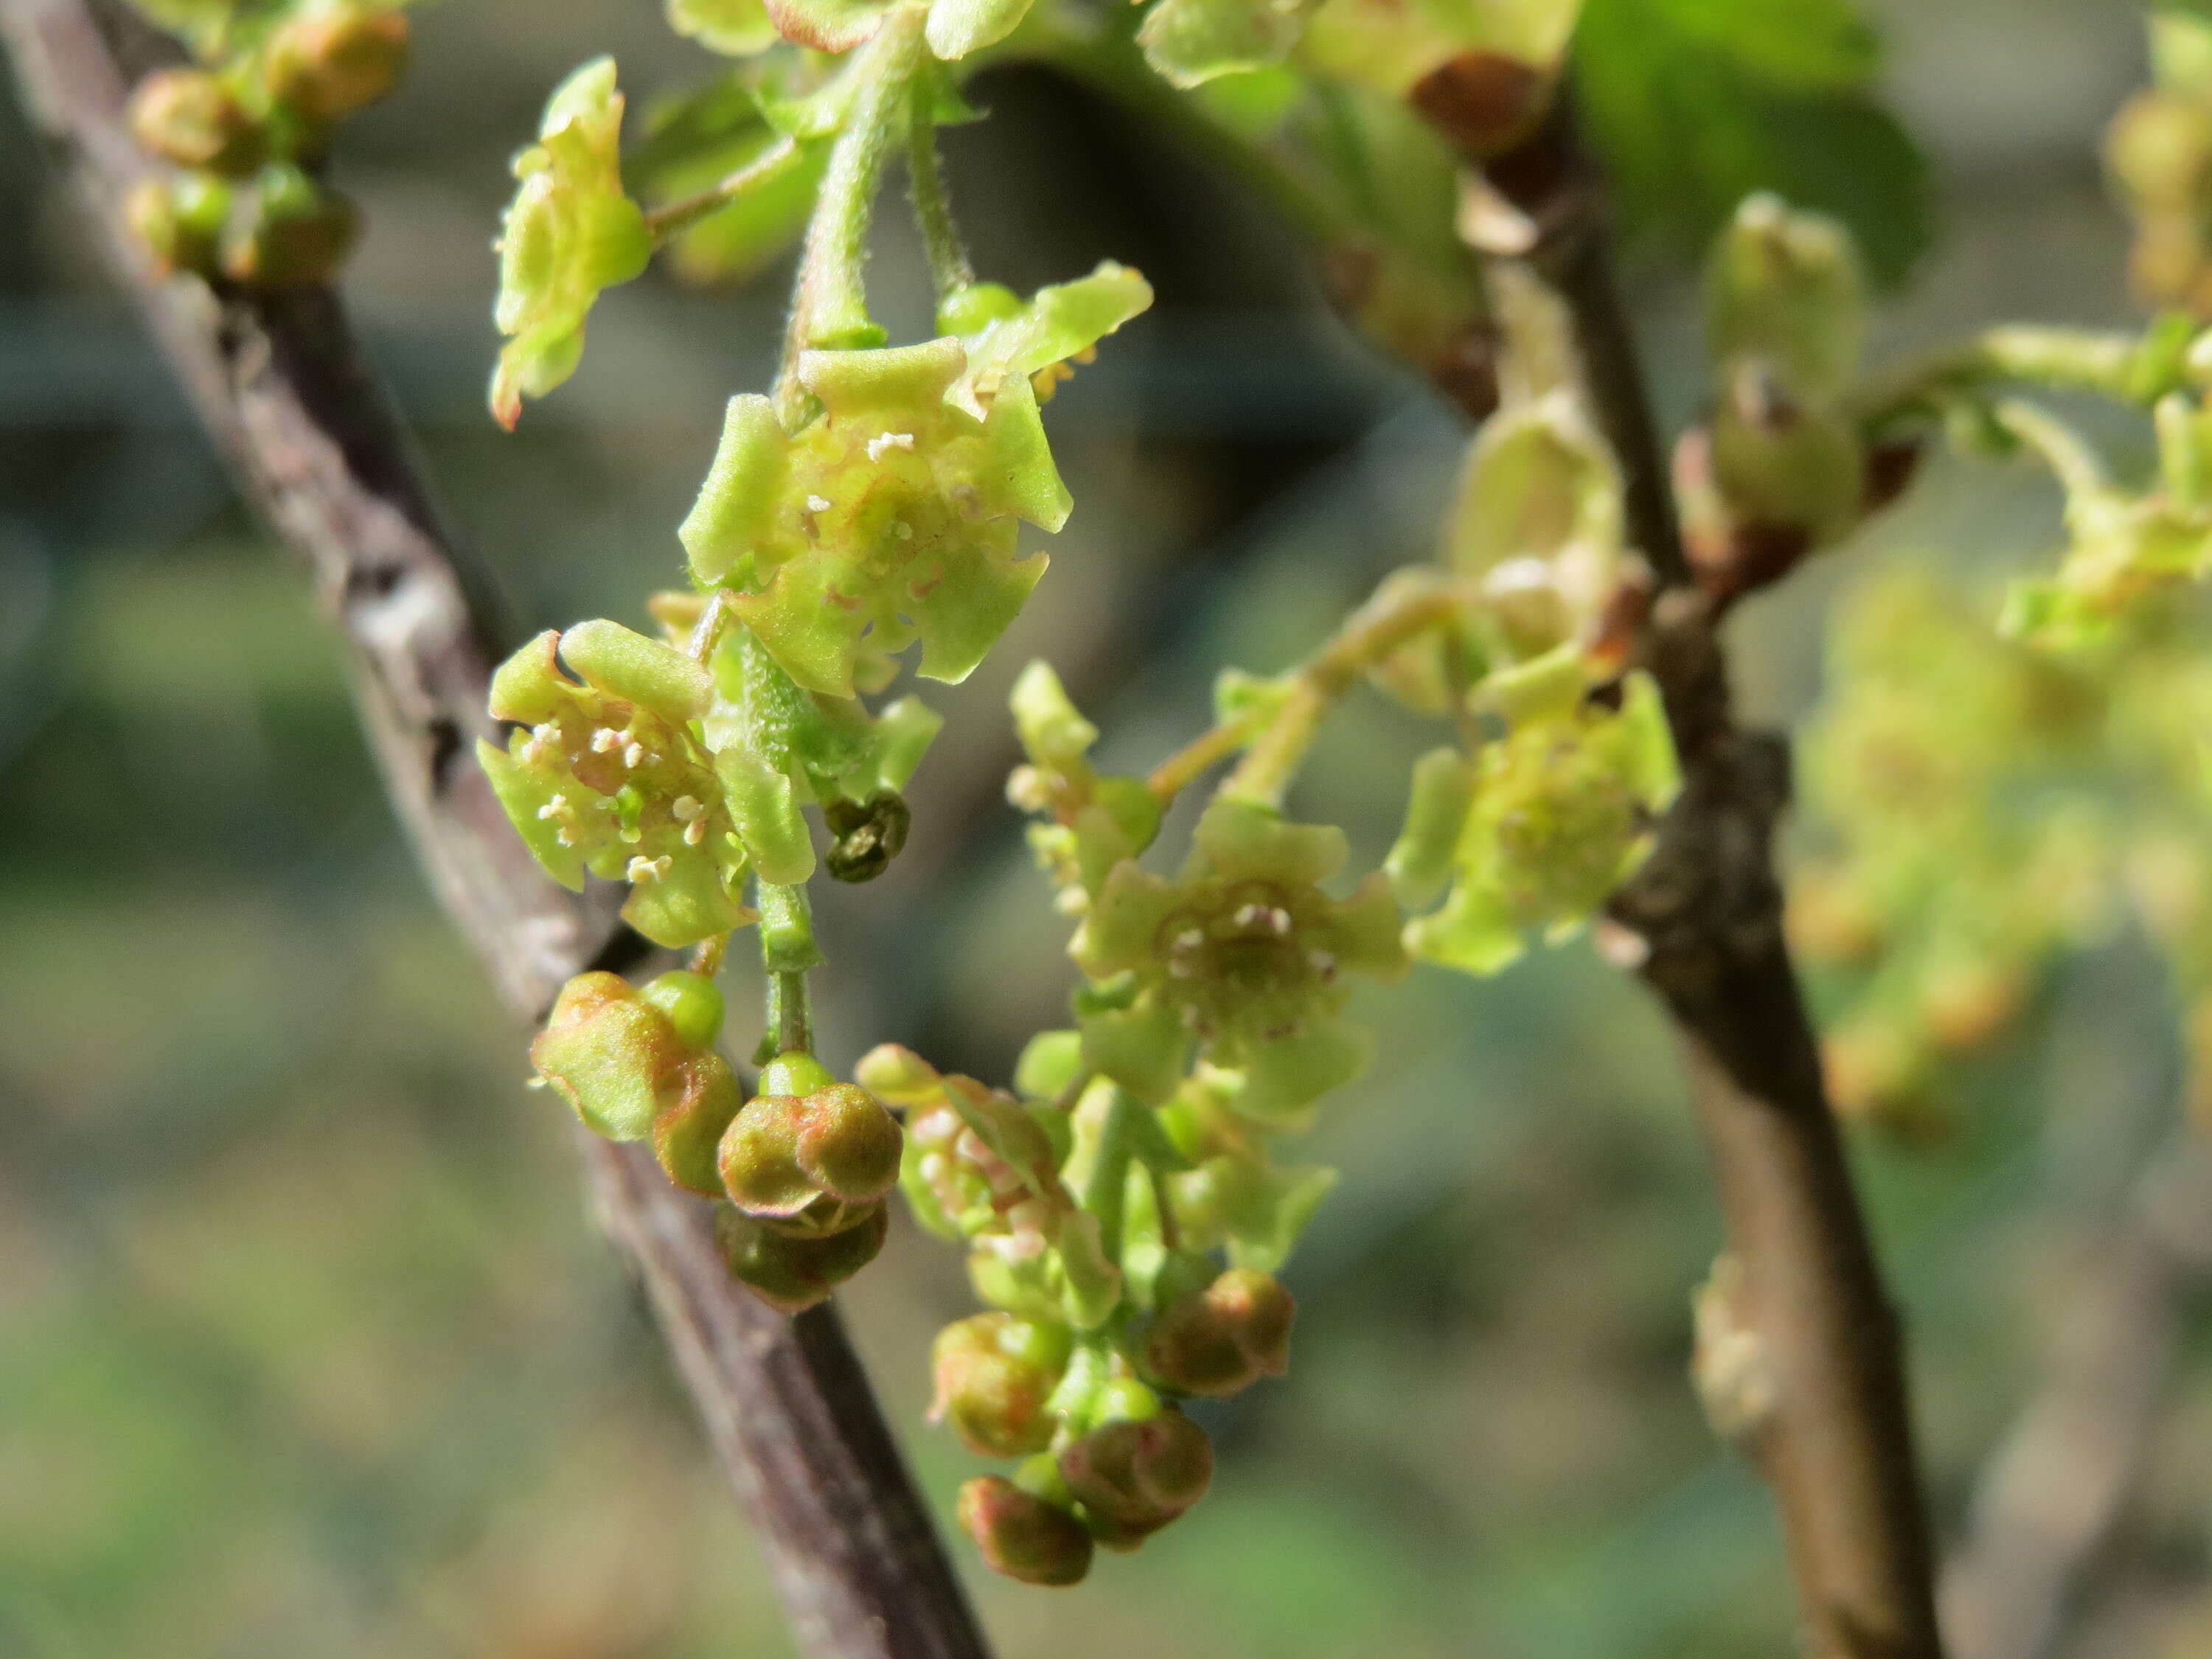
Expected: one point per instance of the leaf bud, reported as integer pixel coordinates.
(994, 1374)
(189, 117)
(1131, 1478)
(295, 232)
(1023, 1536)
(1217, 1341)
(792, 1274)
(334, 55)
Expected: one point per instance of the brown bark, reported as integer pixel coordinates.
(313, 442)
(1705, 912)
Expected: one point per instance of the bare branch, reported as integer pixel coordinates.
(1705, 917)
(315, 447)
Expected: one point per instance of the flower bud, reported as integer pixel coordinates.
(181, 221)
(1132, 1478)
(699, 1100)
(1023, 1536)
(692, 1003)
(994, 1375)
(1786, 286)
(297, 232)
(869, 833)
(332, 58)
(189, 117)
(792, 1274)
(606, 1052)
(1777, 463)
(1219, 1340)
(783, 1151)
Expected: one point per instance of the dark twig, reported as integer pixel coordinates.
(314, 446)
(1704, 919)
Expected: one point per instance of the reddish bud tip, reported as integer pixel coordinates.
(994, 1375)
(330, 60)
(1219, 1340)
(189, 117)
(1132, 1478)
(1023, 1536)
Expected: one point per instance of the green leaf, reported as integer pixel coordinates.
(1694, 104)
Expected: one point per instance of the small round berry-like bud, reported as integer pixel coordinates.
(692, 1003)
(607, 1054)
(794, 1073)
(181, 221)
(189, 117)
(993, 1373)
(699, 1099)
(1221, 1339)
(331, 59)
(296, 233)
(848, 1145)
(758, 1159)
(1132, 1478)
(792, 1274)
(1023, 1536)
(1125, 1399)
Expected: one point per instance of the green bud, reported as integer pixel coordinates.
(1131, 1478)
(295, 232)
(1053, 734)
(181, 221)
(607, 1053)
(1125, 1399)
(1219, 1341)
(794, 1073)
(783, 1151)
(692, 1002)
(188, 116)
(994, 1375)
(1023, 1536)
(334, 55)
(1786, 286)
(699, 1097)
(1778, 463)
(1049, 1063)
(792, 1274)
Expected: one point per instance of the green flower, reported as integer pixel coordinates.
(892, 514)
(1559, 814)
(1242, 954)
(569, 231)
(605, 776)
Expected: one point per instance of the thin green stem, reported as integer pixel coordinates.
(949, 268)
(666, 221)
(1369, 633)
(830, 308)
(2059, 359)
(1106, 1192)
(790, 1013)
(2078, 467)
(787, 951)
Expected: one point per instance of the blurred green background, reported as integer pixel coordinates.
(308, 1347)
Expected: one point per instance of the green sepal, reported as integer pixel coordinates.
(1420, 860)
(1049, 1064)
(1061, 321)
(1190, 42)
(764, 806)
(1257, 1210)
(736, 28)
(956, 27)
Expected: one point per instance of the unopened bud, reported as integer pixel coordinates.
(333, 58)
(692, 1003)
(870, 834)
(783, 1151)
(1022, 1535)
(993, 1373)
(1777, 463)
(296, 233)
(189, 117)
(605, 1052)
(792, 1274)
(699, 1099)
(1132, 1478)
(1219, 1341)
(1786, 286)
(181, 221)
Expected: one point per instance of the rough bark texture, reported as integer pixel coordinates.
(1836, 1442)
(314, 444)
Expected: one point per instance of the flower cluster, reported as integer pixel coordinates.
(1087, 1219)
(244, 131)
(2159, 151)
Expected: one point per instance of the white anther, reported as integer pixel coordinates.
(554, 808)
(885, 440)
(641, 868)
(694, 832)
(1189, 940)
(1278, 919)
(685, 809)
(634, 755)
(902, 531)
(604, 739)
(817, 503)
